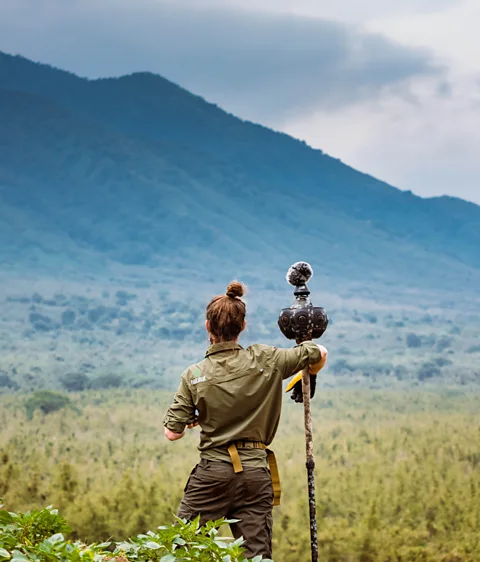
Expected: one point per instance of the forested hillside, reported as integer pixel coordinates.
(397, 473)
(135, 170)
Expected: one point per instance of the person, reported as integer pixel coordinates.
(235, 396)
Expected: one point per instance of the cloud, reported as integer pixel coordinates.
(266, 67)
(430, 146)
(452, 33)
(352, 11)
(354, 89)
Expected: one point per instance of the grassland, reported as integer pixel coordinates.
(398, 473)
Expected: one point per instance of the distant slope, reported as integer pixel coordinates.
(138, 170)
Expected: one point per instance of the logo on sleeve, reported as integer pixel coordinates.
(197, 376)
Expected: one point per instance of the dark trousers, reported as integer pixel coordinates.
(215, 491)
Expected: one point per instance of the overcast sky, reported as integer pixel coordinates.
(392, 88)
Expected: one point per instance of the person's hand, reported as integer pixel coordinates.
(295, 386)
(192, 425)
(315, 368)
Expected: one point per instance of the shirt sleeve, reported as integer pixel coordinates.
(182, 411)
(291, 361)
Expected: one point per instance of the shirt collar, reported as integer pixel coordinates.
(223, 346)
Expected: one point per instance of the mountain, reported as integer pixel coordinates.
(137, 171)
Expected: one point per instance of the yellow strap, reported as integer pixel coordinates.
(250, 445)
(237, 463)
(272, 464)
(274, 474)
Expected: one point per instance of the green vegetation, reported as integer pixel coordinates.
(398, 473)
(144, 337)
(46, 401)
(38, 536)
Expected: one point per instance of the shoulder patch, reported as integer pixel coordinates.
(197, 375)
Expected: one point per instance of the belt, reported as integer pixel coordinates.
(272, 463)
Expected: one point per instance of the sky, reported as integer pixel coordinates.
(391, 88)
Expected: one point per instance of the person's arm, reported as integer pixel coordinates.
(306, 354)
(172, 436)
(181, 413)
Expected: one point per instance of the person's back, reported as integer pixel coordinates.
(235, 395)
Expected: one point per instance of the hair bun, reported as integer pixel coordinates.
(235, 289)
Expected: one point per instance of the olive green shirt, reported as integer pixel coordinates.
(236, 394)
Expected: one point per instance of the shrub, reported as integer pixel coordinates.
(20, 300)
(374, 368)
(400, 372)
(370, 317)
(341, 367)
(46, 401)
(427, 371)
(7, 382)
(40, 322)
(442, 361)
(444, 343)
(39, 535)
(94, 314)
(68, 317)
(80, 304)
(109, 380)
(75, 382)
(124, 297)
(413, 340)
(84, 324)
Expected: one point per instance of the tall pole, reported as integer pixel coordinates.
(301, 322)
(310, 463)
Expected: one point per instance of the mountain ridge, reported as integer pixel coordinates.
(227, 186)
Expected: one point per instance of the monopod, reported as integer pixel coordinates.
(301, 322)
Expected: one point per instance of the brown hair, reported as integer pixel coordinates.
(226, 313)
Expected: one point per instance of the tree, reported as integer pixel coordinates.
(46, 401)
(75, 382)
(413, 340)
(7, 382)
(109, 380)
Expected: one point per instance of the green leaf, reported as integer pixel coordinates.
(5, 518)
(18, 556)
(58, 537)
(178, 540)
(4, 553)
(152, 545)
(168, 558)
